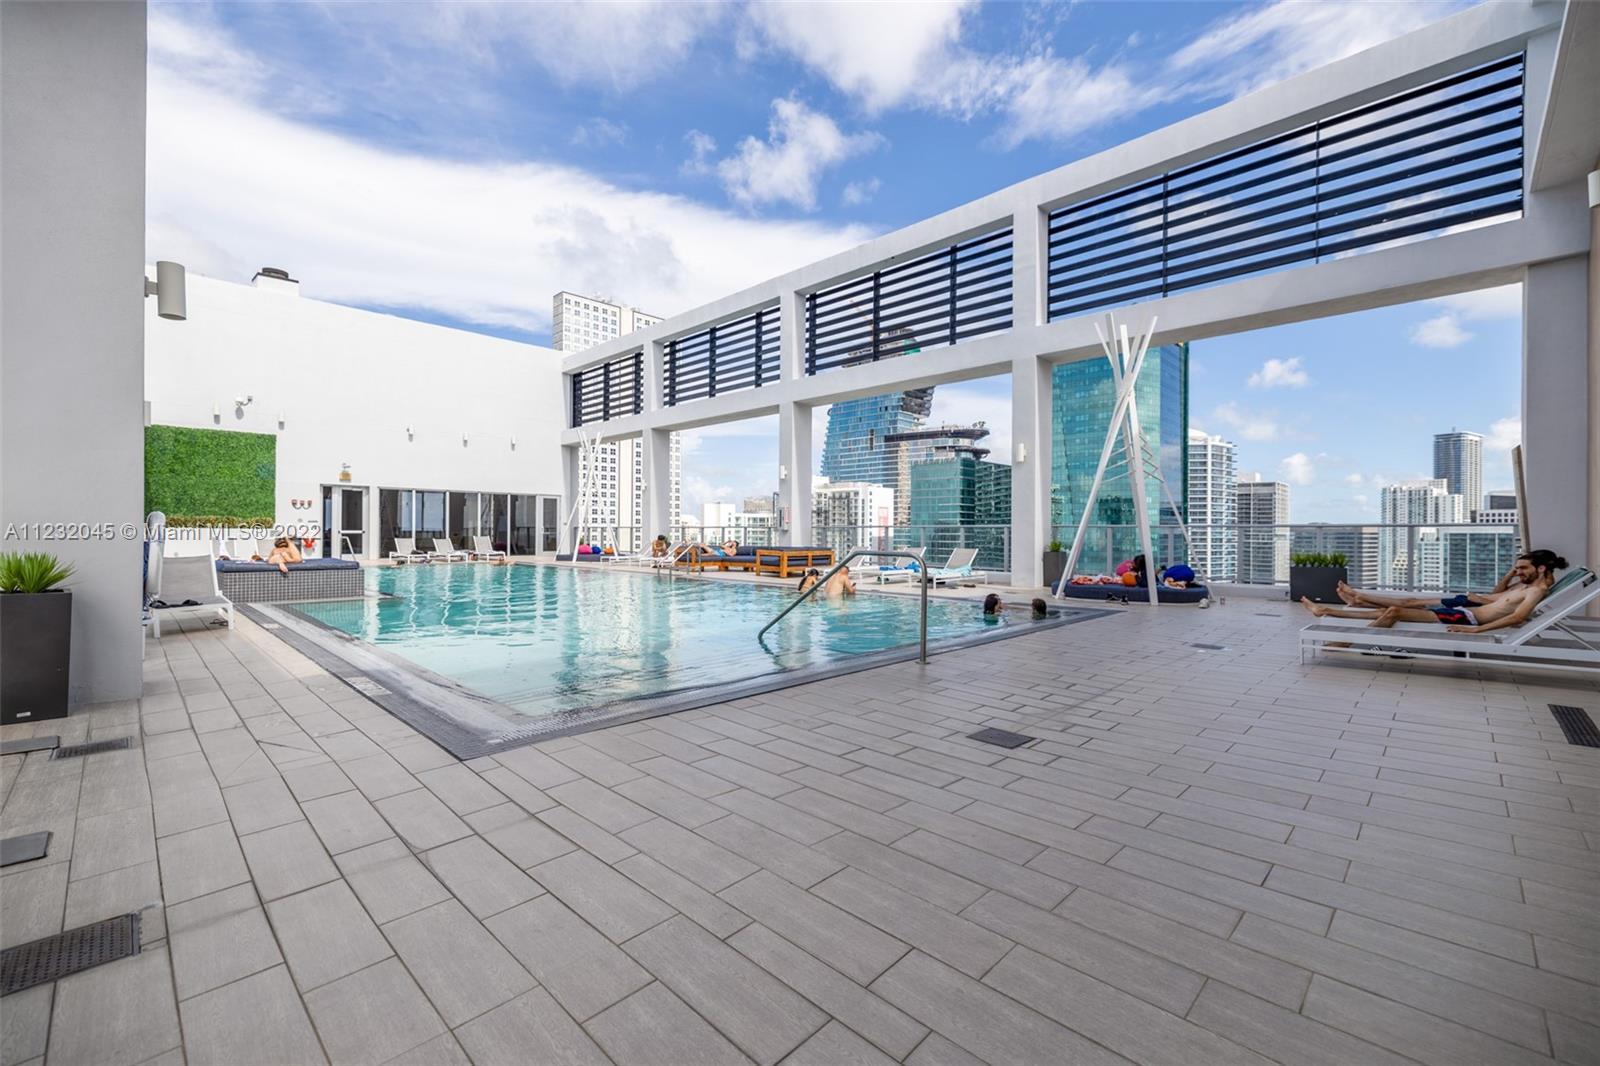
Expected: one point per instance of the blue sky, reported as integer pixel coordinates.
(459, 163)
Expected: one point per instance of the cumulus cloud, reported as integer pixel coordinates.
(1250, 425)
(785, 168)
(1441, 331)
(1297, 469)
(1503, 435)
(233, 185)
(1280, 374)
(1354, 479)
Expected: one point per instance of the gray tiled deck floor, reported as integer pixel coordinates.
(1208, 857)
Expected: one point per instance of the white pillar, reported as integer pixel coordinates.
(655, 451)
(792, 336)
(73, 316)
(567, 540)
(1558, 412)
(1030, 469)
(794, 471)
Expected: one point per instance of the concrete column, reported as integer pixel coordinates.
(792, 338)
(1030, 263)
(567, 541)
(652, 376)
(72, 163)
(656, 452)
(1030, 469)
(1558, 409)
(794, 462)
(1592, 557)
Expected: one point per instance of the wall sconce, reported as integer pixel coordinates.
(170, 289)
(344, 471)
(280, 419)
(463, 440)
(241, 402)
(783, 472)
(1022, 452)
(513, 443)
(409, 435)
(216, 413)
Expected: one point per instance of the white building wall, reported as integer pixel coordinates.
(406, 404)
(1212, 502)
(72, 139)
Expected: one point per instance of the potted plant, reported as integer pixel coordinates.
(1316, 576)
(35, 637)
(1055, 561)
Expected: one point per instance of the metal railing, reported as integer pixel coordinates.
(858, 553)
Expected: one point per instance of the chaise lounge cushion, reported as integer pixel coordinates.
(241, 566)
(1138, 593)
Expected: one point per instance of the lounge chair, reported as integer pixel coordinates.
(903, 572)
(483, 548)
(1549, 638)
(188, 587)
(958, 568)
(443, 549)
(405, 551)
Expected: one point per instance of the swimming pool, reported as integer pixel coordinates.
(548, 647)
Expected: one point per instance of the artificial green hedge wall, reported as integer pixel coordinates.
(210, 472)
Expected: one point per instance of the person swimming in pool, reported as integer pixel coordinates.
(809, 579)
(1040, 609)
(840, 584)
(992, 606)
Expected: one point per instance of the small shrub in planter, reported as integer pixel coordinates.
(35, 637)
(1055, 561)
(1316, 576)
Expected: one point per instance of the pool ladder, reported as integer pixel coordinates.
(897, 553)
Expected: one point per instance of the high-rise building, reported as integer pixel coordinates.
(1458, 460)
(856, 447)
(760, 504)
(930, 442)
(852, 514)
(1263, 514)
(1358, 545)
(1213, 506)
(960, 500)
(1474, 559)
(1426, 503)
(616, 508)
(1499, 509)
(1083, 398)
(1500, 500)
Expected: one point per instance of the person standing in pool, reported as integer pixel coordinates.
(840, 584)
(1040, 609)
(809, 579)
(992, 607)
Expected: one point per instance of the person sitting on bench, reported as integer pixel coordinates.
(1511, 608)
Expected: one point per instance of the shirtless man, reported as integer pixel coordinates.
(1510, 608)
(840, 584)
(1520, 574)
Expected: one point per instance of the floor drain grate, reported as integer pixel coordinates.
(54, 957)
(72, 751)
(1577, 725)
(1000, 738)
(1210, 647)
(366, 686)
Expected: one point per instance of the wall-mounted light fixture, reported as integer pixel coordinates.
(409, 435)
(463, 440)
(1022, 452)
(513, 443)
(216, 412)
(344, 471)
(170, 289)
(783, 472)
(280, 419)
(240, 403)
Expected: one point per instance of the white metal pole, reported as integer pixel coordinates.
(1134, 439)
(1100, 468)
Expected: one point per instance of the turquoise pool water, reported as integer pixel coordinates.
(545, 639)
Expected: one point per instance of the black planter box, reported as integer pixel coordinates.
(1054, 564)
(35, 645)
(1319, 584)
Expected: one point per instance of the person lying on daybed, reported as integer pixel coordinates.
(1509, 609)
(283, 553)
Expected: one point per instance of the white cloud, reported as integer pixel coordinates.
(1504, 301)
(1250, 425)
(1354, 479)
(801, 144)
(1241, 53)
(1441, 331)
(600, 132)
(232, 186)
(1296, 469)
(618, 46)
(860, 192)
(880, 53)
(1503, 435)
(1280, 374)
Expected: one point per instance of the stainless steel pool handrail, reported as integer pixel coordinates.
(898, 553)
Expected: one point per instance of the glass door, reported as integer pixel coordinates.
(349, 533)
(549, 524)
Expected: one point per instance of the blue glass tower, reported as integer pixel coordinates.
(855, 448)
(1082, 401)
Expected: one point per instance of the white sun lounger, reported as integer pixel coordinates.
(184, 579)
(405, 551)
(443, 549)
(958, 568)
(483, 548)
(1553, 637)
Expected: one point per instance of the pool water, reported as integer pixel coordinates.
(546, 639)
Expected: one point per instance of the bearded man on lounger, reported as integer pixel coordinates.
(1509, 609)
(1524, 571)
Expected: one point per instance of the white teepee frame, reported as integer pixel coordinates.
(1126, 358)
(588, 448)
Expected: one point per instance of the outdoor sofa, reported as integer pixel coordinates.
(313, 579)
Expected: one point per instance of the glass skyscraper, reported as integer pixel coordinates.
(954, 493)
(1082, 401)
(855, 449)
